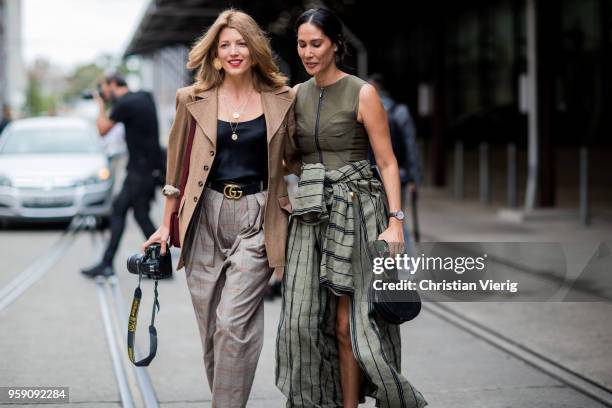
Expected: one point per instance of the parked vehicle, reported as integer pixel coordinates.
(53, 168)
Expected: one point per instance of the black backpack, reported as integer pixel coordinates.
(397, 138)
(398, 143)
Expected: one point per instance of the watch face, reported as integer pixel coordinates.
(398, 214)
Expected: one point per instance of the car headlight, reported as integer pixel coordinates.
(100, 177)
(5, 181)
(104, 174)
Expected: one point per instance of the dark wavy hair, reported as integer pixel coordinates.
(115, 77)
(326, 21)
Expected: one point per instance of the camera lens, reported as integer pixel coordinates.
(133, 262)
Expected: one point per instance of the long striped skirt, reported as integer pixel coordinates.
(307, 367)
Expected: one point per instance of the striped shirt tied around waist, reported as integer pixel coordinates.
(327, 195)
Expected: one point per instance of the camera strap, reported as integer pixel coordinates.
(132, 326)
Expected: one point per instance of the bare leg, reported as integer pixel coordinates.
(350, 372)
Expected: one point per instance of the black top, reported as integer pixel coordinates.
(244, 160)
(136, 110)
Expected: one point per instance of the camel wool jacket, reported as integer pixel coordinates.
(280, 128)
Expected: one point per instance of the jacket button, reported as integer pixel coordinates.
(200, 183)
(212, 152)
(195, 199)
(206, 168)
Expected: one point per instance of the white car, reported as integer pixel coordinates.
(53, 168)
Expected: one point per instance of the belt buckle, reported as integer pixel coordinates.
(232, 191)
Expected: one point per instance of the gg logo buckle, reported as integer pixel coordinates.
(232, 191)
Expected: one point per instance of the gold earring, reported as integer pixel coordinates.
(217, 64)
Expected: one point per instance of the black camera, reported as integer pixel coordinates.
(152, 264)
(89, 94)
(99, 90)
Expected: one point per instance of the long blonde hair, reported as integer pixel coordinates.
(266, 74)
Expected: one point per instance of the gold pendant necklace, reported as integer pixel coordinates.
(236, 113)
(234, 127)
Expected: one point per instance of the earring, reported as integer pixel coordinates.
(217, 64)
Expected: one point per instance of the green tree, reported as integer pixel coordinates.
(37, 103)
(85, 77)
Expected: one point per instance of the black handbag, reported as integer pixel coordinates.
(394, 306)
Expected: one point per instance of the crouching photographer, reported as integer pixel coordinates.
(152, 265)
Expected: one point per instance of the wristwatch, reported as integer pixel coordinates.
(397, 214)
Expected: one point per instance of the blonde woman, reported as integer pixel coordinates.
(234, 211)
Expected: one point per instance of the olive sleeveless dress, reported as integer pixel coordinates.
(334, 149)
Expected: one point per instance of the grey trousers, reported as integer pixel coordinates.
(227, 273)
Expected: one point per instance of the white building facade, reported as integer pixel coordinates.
(12, 72)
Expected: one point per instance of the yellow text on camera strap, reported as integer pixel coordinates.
(132, 323)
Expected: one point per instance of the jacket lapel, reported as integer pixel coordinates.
(275, 106)
(204, 111)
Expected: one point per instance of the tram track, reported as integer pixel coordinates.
(43, 264)
(566, 375)
(562, 373)
(134, 383)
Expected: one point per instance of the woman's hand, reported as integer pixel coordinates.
(159, 236)
(394, 236)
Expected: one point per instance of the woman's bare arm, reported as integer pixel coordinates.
(374, 118)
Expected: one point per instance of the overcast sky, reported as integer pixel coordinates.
(69, 32)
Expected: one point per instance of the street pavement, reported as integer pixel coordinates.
(457, 355)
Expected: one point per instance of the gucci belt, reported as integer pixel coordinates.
(232, 191)
(235, 191)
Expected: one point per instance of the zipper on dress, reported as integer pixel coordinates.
(317, 126)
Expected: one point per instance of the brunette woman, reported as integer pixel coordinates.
(332, 350)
